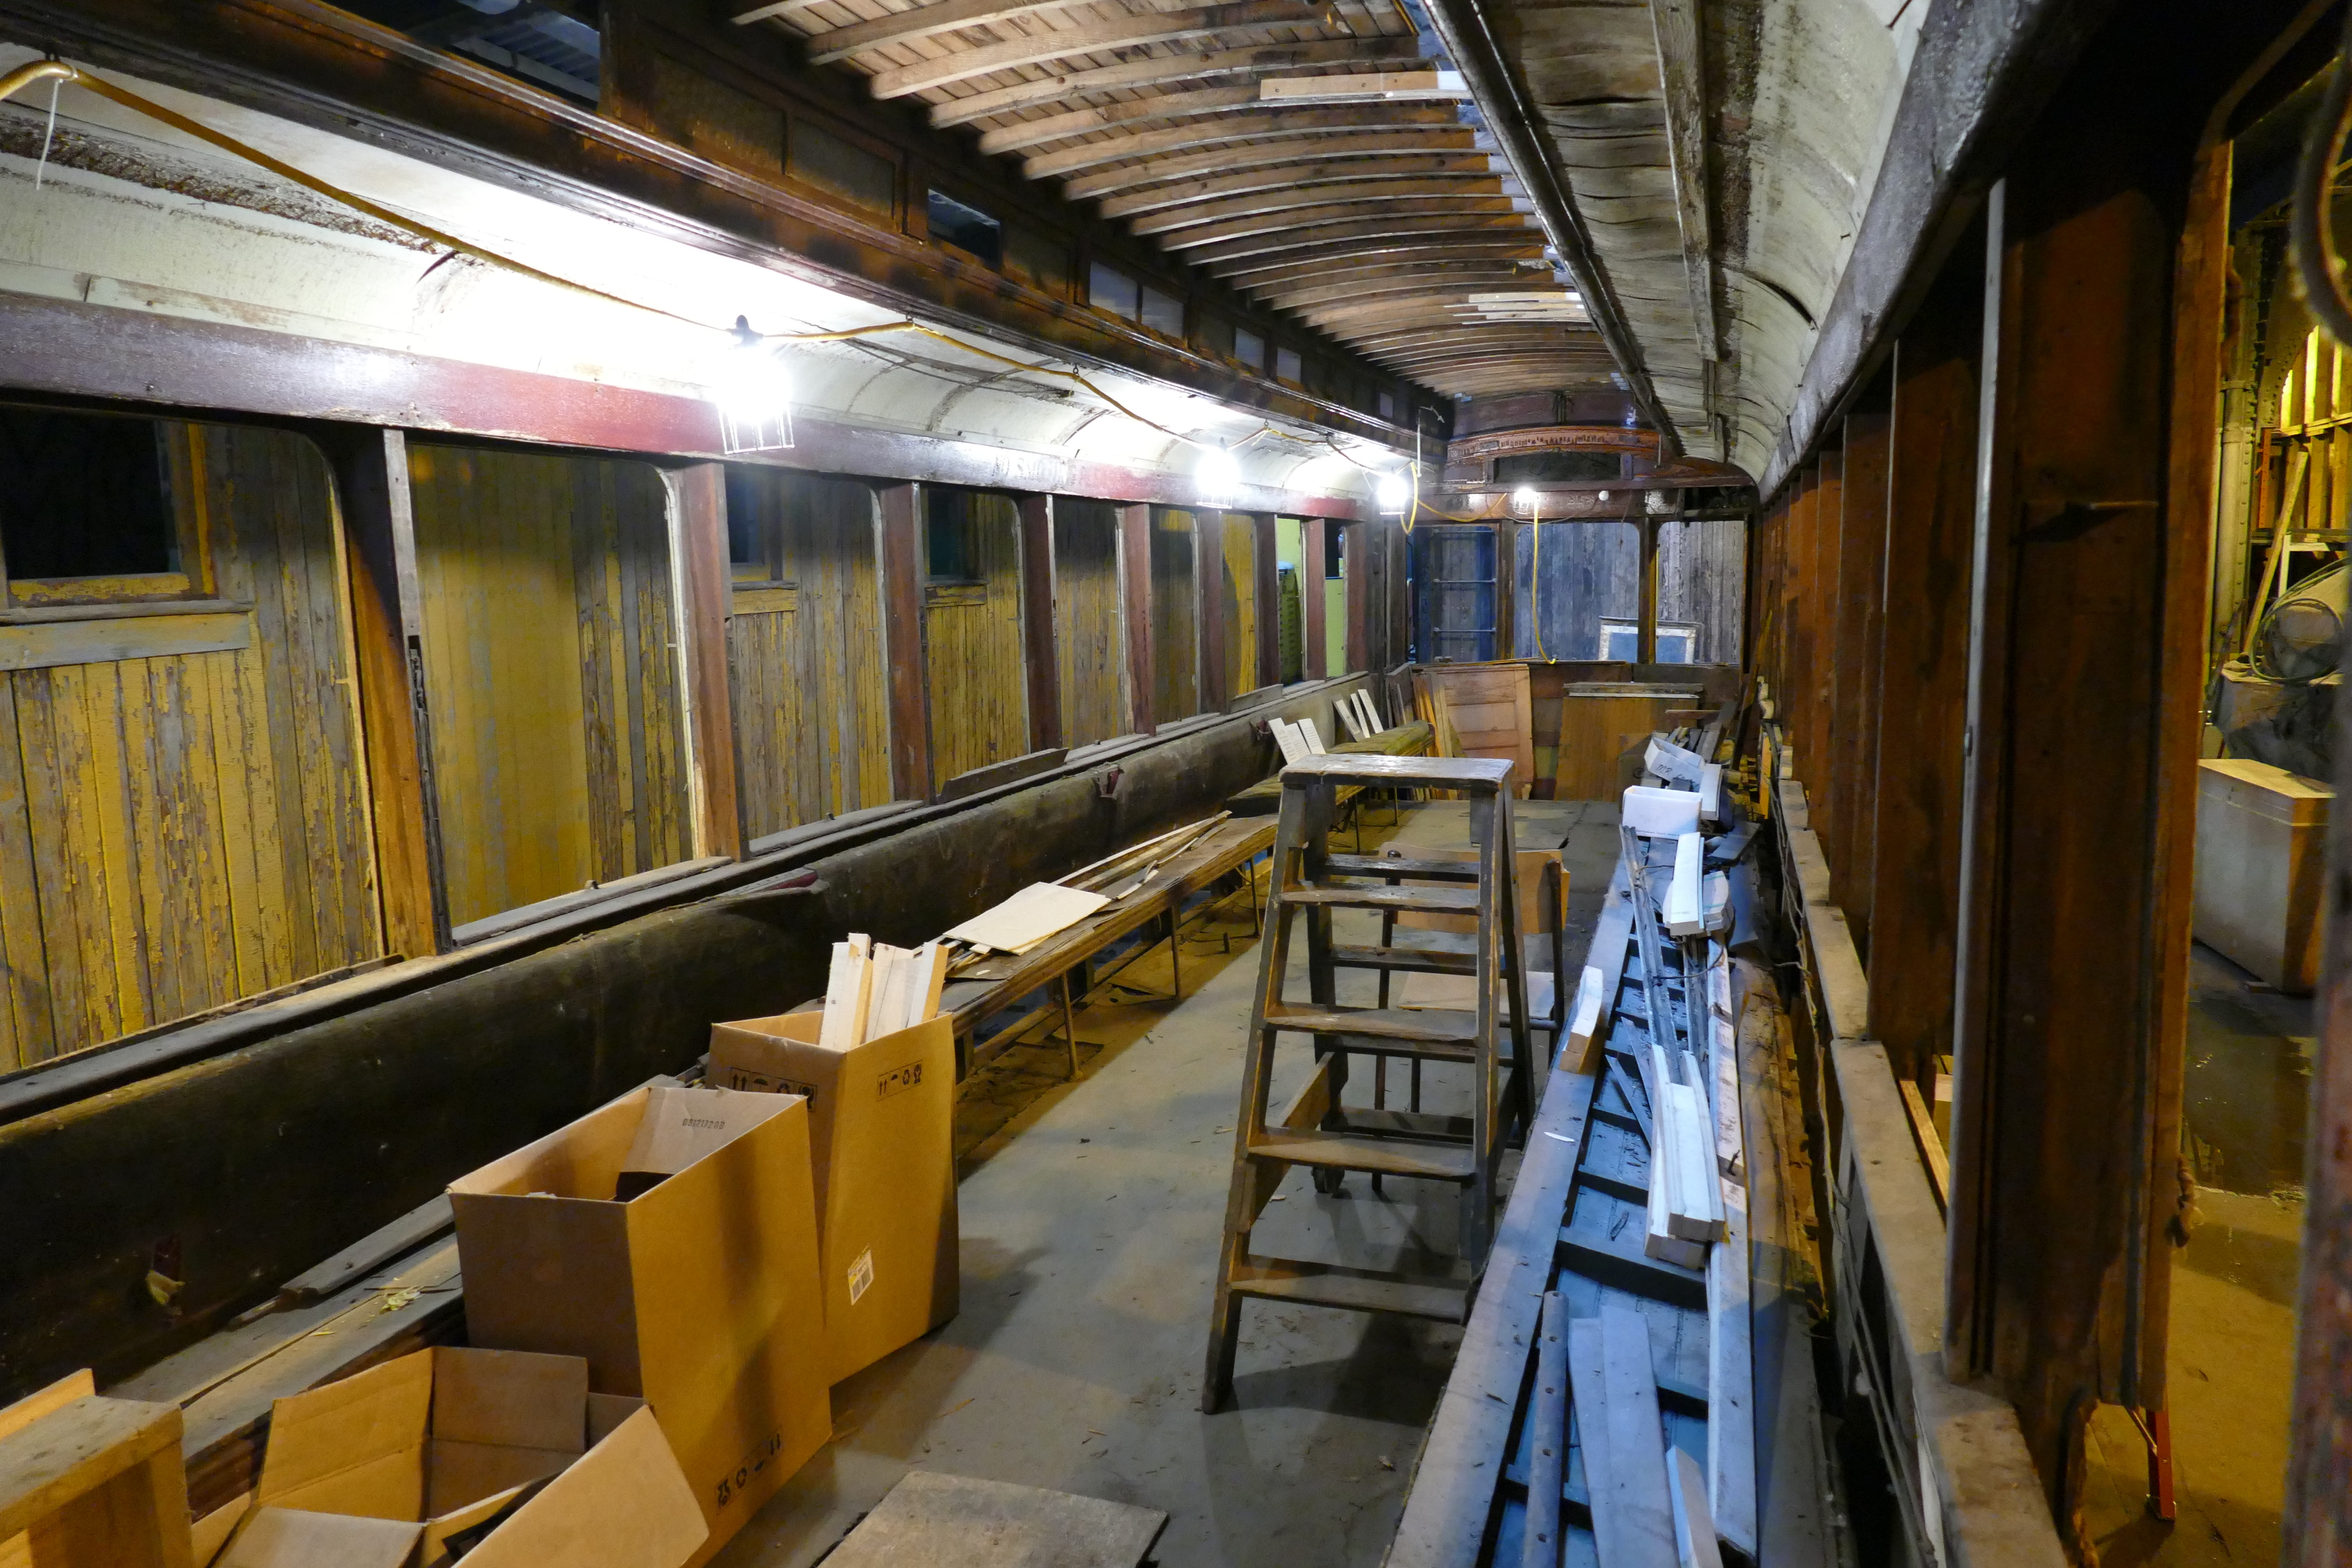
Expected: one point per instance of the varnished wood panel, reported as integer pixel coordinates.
(979, 686)
(1089, 640)
(811, 701)
(552, 672)
(180, 832)
(1175, 673)
(1239, 567)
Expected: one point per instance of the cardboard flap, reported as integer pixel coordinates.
(293, 1538)
(606, 1412)
(441, 1527)
(681, 1126)
(355, 1447)
(463, 1474)
(625, 1505)
(515, 1399)
(581, 1160)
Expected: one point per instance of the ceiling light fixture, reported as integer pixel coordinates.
(752, 394)
(1218, 476)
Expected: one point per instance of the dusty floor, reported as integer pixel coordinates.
(2232, 1354)
(1090, 1215)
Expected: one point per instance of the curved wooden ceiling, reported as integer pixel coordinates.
(1312, 152)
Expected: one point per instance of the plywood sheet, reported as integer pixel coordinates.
(953, 1521)
(1488, 705)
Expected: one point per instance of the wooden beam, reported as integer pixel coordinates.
(904, 647)
(1645, 636)
(1923, 673)
(1308, 201)
(1265, 60)
(1683, 66)
(1312, 550)
(1268, 594)
(1135, 613)
(1355, 566)
(387, 635)
(1039, 625)
(1507, 588)
(1853, 675)
(1225, 127)
(1095, 38)
(922, 22)
(1275, 152)
(1209, 616)
(698, 533)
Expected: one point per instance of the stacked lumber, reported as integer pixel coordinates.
(874, 989)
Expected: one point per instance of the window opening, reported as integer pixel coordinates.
(1557, 467)
(1250, 349)
(1287, 366)
(1108, 289)
(967, 228)
(542, 42)
(86, 504)
(950, 553)
(1163, 313)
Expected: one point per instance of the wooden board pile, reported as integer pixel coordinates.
(875, 989)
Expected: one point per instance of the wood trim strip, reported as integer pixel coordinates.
(1134, 612)
(900, 510)
(1039, 624)
(705, 599)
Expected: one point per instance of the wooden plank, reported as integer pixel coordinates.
(1209, 604)
(1092, 38)
(98, 1482)
(1862, 534)
(1490, 707)
(698, 540)
(1547, 1443)
(46, 645)
(1040, 623)
(1727, 1491)
(901, 556)
(1682, 76)
(932, 1521)
(1642, 1533)
(1135, 533)
(27, 1034)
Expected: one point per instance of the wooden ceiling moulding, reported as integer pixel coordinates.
(1225, 128)
(1297, 196)
(1092, 38)
(1273, 153)
(1558, 438)
(1266, 60)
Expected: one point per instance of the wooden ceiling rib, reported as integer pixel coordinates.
(1311, 152)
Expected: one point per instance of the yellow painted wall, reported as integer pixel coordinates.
(978, 681)
(1089, 636)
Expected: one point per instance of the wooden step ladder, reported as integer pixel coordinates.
(1320, 1131)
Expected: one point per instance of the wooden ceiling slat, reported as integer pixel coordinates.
(1152, 27)
(1224, 128)
(1305, 301)
(922, 22)
(1260, 156)
(1269, 60)
(1334, 238)
(1297, 177)
(1205, 236)
(1480, 187)
(1433, 254)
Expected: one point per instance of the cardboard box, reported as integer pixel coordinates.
(883, 1121)
(698, 1296)
(381, 1468)
(2261, 869)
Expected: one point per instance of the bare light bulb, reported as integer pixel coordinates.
(752, 394)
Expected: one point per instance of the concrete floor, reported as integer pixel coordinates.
(1090, 1218)
(2232, 1347)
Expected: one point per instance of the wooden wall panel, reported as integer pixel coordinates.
(1040, 652)
(1588, 570)
(1702, 579)
(1175, 673)
(550, 664)
(1854, 674)
(1239, 570)
(1090, 640)
(180, 832)
(978, 679)
(1315, 595)
(812, 713)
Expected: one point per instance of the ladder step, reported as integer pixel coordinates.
(1421, 1025)
(1414, 960)
(1388, 866)
(1358, 1290)
(1422, 900)
(1373, 1155)
(1385, 1123)
(1537, 944)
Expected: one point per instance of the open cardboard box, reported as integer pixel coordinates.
(381, 1469)
(699, 1294)
(882, 1116)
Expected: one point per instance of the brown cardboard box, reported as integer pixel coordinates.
(699, 1296)
(381, 1466)
(883, 1118)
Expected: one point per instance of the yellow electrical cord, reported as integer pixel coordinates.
(60, 72)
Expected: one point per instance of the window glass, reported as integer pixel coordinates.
(949, 552)
(1108, 289)
(966, 227)
(1250, 349)
(841, 169)
(84, 495)
(1288, 367)
(1388, 407)
(1163, 313)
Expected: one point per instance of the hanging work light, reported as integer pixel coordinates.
(1392, 492)
(1219, 477)
(752, 394)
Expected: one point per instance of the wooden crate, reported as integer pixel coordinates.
(2262, 864)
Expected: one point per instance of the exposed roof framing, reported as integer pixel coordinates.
(1320, 157)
